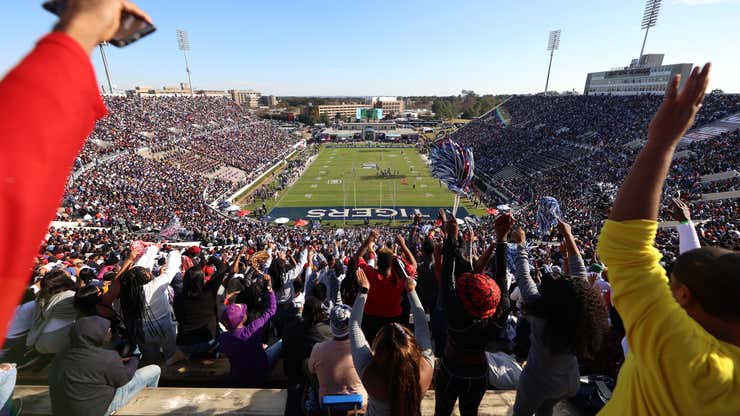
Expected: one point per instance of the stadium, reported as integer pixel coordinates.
(202, 251)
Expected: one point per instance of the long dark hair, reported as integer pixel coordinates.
(312, 312)
(396, 359)
(192, 282)
(576, 318)
(56, 281)
(136, 312)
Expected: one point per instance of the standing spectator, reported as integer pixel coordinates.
(147, 313)
(398, 370)
(331, 360)
(567, 320)
(684, 336)
(476, 312)
(384, 304)
(196, 309)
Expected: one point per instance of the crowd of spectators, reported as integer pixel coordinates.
(577, 149)
(256, 292)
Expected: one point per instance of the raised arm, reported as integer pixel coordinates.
(574, 261)
(687, 238)
(237, 259)
(527, 287)
(421, 326)
(361, 353)
(639, 285)
(366, 244)
(150, 256)
(270, 307)
(405, 250)
(639, 196)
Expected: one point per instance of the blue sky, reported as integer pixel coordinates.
(433, 47)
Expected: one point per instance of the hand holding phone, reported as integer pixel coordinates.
(91, 22)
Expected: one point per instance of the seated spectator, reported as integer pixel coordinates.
(398, 370)
(331, 360)
(8, 405)
(568, 321)
(54, 314)
(88, 379)
(242, 344)
(683, 331)
(87, 299)
(15, 343)
(195, 309)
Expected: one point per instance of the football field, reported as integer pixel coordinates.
(357, 183)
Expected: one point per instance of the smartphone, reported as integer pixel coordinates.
(131, 29)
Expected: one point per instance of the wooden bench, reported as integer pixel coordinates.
(262, 402)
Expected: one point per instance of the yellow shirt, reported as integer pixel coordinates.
(674, 366)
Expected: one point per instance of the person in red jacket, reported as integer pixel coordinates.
(49, 104)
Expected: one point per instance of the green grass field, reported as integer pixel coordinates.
(337, 179)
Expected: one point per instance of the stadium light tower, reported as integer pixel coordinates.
(553, 44)
(649, 19)
(184, 45)
(105, 66)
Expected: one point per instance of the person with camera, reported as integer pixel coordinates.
(49, 104)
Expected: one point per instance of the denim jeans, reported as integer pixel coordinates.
(273, 353)
(7, 385)
(144, 377)
(199, 348)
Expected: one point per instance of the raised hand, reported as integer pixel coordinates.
(362, 278)
(676, 114)
(410, 284)
(519, 236)
(564, 228)
(503, 226)
(400, 240)
(91, 22)
(680, 211)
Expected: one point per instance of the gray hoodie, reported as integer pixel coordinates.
(84, 378)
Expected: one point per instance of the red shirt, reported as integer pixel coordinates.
(48, 106)
(384, 297)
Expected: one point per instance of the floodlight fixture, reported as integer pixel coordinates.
(553, 44)
(183, 43)
(649, 19)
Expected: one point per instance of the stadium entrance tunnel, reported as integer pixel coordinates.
(372, 213)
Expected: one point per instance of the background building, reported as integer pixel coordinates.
(249, 98)
(345, 110)
(389, 105)
(646, 76)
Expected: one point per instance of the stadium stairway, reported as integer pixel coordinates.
(265, 402)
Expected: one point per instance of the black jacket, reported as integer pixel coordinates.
(84, 378)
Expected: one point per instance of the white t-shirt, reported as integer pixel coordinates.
(299, 300)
